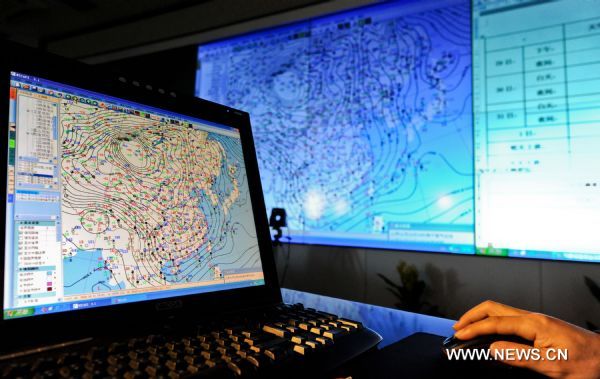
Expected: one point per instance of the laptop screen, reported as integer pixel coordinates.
(111, 201)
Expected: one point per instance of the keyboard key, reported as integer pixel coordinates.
(112, 359)
(154, 359)
(304, 326)
(192, 369)
(191, 360)
(245, 346)
(134, 364)
(279, 332)
(226, 350)
(172, 365)
(277, 352)
(151, 370)
(220, 342)
(354, 324)
(206, 345)
(226, 358)
(240, 367)
(258, 361)
(303, 349)
(316, 331)
(235, 368)
(334, 334)
(172, 354)
(242, 353)
(251, 333)
(236, 346)
(298, 339)
(324, 341)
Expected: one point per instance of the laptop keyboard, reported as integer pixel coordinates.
(240, 347)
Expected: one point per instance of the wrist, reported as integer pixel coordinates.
(595, 364)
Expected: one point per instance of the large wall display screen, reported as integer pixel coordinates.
(444, 126)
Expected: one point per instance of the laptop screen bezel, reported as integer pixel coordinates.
(84, 322)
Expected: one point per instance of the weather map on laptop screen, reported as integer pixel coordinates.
(111, 201)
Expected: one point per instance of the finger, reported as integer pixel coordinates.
(486, 309)
(516, 325)
(522, 356)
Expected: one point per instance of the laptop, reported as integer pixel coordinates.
(136, 242)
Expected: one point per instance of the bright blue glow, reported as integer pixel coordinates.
(362, 122)
(112, 202)
(537, 128)
(366, 132)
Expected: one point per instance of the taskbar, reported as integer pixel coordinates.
(94, 303)
(380, 243)
(537, 254)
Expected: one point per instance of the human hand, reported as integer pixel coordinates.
(546, 333)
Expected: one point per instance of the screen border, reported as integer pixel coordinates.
(297, 22)
(143, 314)
(301, 21)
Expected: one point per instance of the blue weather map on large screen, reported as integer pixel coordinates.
(362, 122)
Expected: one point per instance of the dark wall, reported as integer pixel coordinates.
(174, 70)
(455, 283)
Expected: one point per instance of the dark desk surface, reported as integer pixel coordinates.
(420, 356)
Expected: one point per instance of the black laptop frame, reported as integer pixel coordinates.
(126, 319)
